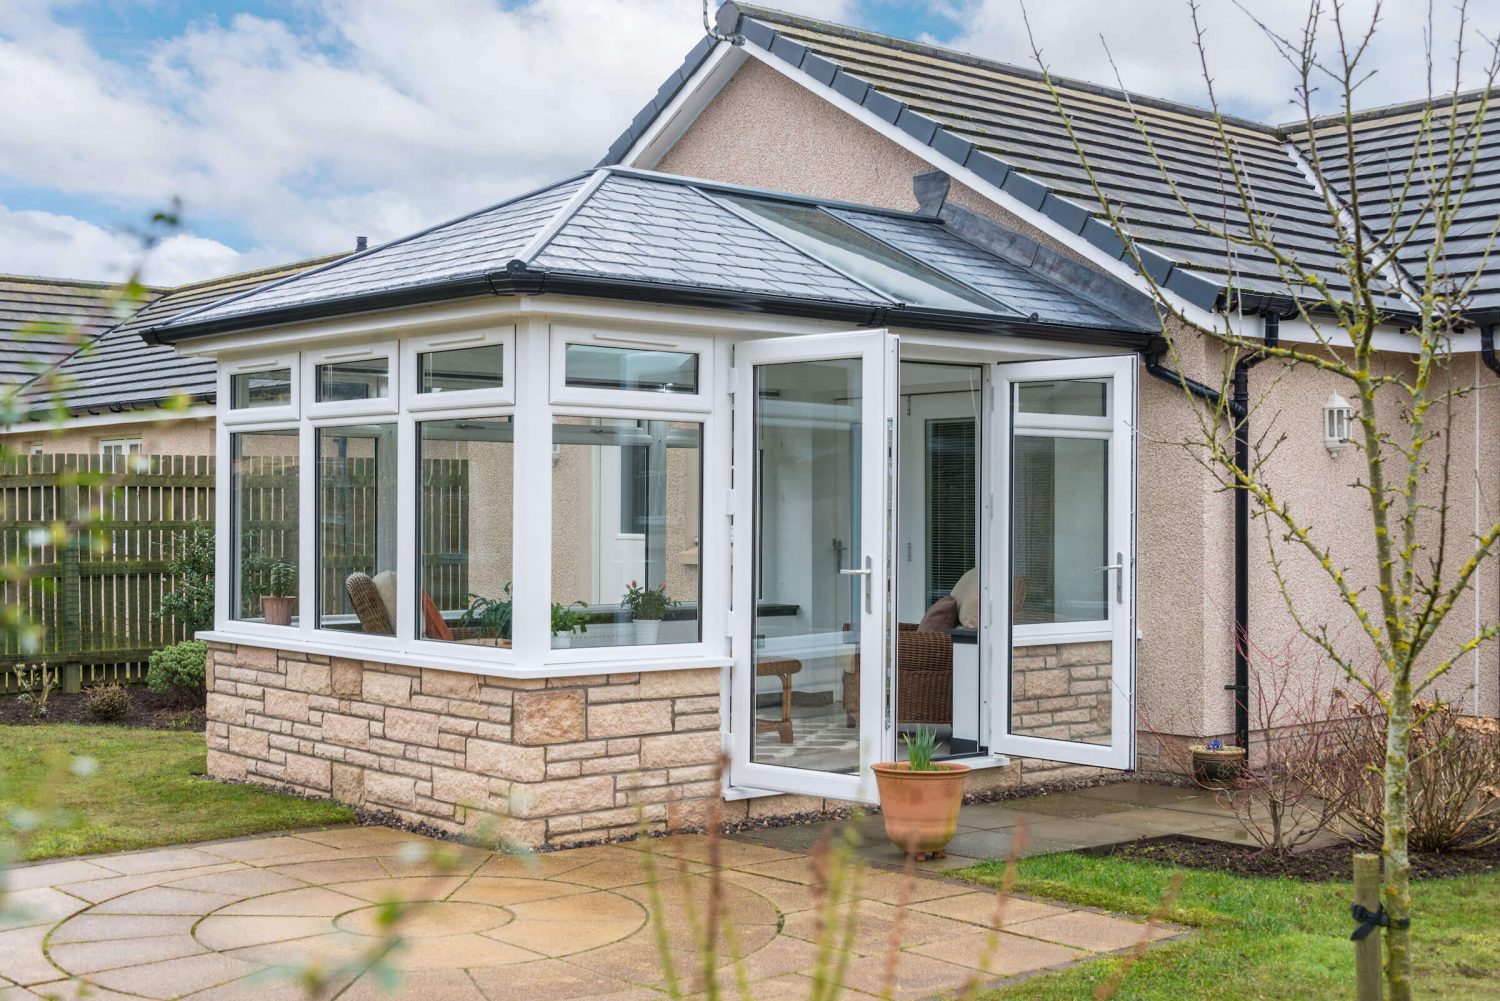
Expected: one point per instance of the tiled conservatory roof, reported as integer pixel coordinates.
(1000, 122)
(642, 235)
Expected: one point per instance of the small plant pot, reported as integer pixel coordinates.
(1218, 767)
(920, 808)
(561, 641)
(277, 611)
(646, 631)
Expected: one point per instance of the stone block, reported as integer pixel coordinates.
(460, 786)
(386, 689)
(675, 684)
(229, 709)
(1037, 684)
(230, 767)
(392, 790)
(553, 799)
(348, 731)
(286, 705)
(411, 727)
(248, 743)
(256, 658)
(347, 677)
(506, 761)
(302, 676)
(313, 773)
(454, 684)
(628, 719)
(549, 716)
(679, 750)
(697, 721)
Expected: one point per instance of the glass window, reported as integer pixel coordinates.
(1073, 397)
(357, 528)
(364, 379)
(1060, 539)
(596, 367)
(263, 527)
(270, 388)
(460, 369)
(862, 257)
(464, 530)
(626, 519)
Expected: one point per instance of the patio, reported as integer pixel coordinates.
(196, 921)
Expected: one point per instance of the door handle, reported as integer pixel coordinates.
(868, 573)
(1118, 565)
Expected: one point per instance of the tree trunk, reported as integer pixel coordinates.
(1396, 888)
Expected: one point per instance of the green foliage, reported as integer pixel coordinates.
(568, 619)
(267, 576)
(191, 601)
(108, 702)
(490, 615)
(647, 603)
(920, 747)
(178, 668)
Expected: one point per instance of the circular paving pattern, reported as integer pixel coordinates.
(428, 919)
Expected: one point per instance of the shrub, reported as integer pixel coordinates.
(1455, 777)
(191, 601)
(109, 702)
(178, 668)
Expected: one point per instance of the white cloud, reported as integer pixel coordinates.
(385, 115)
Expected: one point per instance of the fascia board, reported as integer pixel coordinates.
(696, 94)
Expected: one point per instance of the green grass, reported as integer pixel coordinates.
(1257, 938)
(148, 789)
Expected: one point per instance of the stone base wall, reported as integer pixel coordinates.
(546, 761)
(1062, 692)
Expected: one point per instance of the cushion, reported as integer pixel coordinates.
(966, 592)
(434, 626)
(941, 617)
(385, 583)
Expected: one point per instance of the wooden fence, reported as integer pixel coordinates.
(97, 597)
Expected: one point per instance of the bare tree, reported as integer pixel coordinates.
(1393, 269)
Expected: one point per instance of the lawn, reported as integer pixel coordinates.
(146, 788)
(1258, 939)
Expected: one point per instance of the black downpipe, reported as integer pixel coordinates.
(1239, 411)
(1487, 348)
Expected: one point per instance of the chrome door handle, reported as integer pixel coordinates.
(868, 573)
(1119, 565)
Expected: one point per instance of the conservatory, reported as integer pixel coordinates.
(542, 510)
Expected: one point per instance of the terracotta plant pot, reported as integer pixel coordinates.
(1217, 767)
(277, 611)
(920, 808)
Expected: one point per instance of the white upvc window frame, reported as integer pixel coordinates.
(123, 444)
(290, 411)
(472, 657)
(563, 394)
(388, 404)
(413, 347)
(224, 538)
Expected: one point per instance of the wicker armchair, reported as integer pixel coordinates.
(924, 687)
(367, 604)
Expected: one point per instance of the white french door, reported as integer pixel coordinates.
(812, 624)
(1064, 541)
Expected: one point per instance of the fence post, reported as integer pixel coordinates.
(1367, 950)
(70, 617)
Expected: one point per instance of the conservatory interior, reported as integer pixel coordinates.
(863, 517)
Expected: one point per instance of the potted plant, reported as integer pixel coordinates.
(491, 617)
(1217, 764)
(567, 620)
(647, 607)
(920, 797)
(277, 601)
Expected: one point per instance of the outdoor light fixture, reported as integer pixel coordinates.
(1337, 416)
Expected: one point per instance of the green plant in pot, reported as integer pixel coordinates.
(489, 617)
(567, 620)
(920, 798)
(647, 607)
(1217, 764)
(279, 597)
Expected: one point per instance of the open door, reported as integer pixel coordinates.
(1065, 514)
(815, 455)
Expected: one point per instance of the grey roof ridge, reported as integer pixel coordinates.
(184, 319)
(320, 260)
(773, 194)
(1438, 102)
(91, 283)
(544, 236)
(659, 101)
(1071, 216)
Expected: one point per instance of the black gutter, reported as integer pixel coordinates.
(1487, 347)
(517, 279)
(1238, 407)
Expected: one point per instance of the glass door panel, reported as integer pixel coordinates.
(814, 455)
(1067, 516)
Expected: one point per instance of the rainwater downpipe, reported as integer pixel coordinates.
(1487, 355)
(1239, 412)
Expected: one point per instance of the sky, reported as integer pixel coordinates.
(284, 128)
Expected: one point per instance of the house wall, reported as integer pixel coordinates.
(765, 130)
(186, 436)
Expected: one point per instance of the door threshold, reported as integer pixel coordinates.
(733, 794)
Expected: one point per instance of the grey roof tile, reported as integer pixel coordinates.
(44, 320)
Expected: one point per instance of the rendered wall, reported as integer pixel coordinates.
(190, 436)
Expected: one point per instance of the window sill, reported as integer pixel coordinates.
(464, 665)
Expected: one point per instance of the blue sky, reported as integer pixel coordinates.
(288, 127)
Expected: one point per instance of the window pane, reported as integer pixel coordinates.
(596, 367)
(626, 503)
(1060, 535)
(261, 389)
(1075, 398)
(366, 379)
(464, 530)
(461, 369)
(357, 528)
(263, 533)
